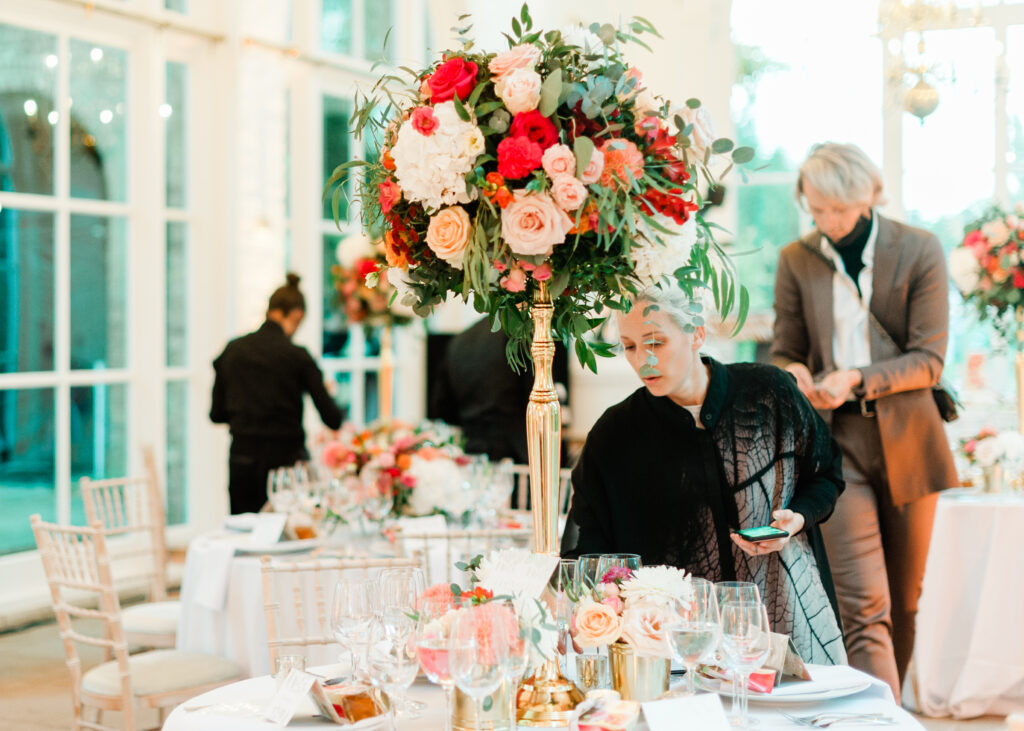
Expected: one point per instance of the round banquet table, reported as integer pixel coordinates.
(969, 649)
(225, 708)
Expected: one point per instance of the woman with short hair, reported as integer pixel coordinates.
(701, 450)
(861, 318)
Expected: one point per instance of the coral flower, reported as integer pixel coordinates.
(623, 163)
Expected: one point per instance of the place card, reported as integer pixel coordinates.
(293, 690)
(268, 529)
(517, 572)
(702, 711)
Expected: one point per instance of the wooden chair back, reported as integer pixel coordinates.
(441, 551)
(521, 477)
(297, 597)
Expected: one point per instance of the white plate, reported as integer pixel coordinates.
(242, 522)
(811, 695)
(306, 544)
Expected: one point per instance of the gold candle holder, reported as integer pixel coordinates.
(546, 699)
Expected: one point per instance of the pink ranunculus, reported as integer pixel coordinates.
(532, 224)
(390, 194)
(448, 234)
(519, 90)
(614, 602)
(523, 56)
(643, 627)
(526, 266)
(596, 625)
(568, 192)
(334, 455)
(514, 281)
(559, 160)
(424, 120)
(542, 273)
(595, 166)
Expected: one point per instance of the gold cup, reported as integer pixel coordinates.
(637, 678)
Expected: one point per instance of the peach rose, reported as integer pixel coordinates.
(523, 56)
(596, 625)
(558, 160)
(595, 166)
(568, 192)
(514, 281)
(703, 132)
(448, 234)
(643, 626)
(532, 224)
(519, 90)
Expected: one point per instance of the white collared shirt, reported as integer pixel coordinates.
(851, 344)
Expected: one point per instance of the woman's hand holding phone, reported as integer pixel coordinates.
(786, 520)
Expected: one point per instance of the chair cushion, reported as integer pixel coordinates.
(151, 618)
(161, 671)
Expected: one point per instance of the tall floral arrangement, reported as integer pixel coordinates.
(549, 162)
(988, 265)
(364, 296)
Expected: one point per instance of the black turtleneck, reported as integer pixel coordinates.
(851, 248)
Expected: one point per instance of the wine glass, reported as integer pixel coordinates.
(391, 663)
(399, 590)
(693, 629)
(431, 639)
(736, 591)
(587, 566)
(479, 652)
(611, 561)
(517, 635)
(281, 489)
(746, 640)
(563, 586)
(354, 606)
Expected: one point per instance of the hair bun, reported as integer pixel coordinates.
(292, 280)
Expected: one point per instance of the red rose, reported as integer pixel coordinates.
(455, 77)
(424, 121)
(389, 194)
(1018, 279)
(518, 157)
(366, 266)
(536, 127)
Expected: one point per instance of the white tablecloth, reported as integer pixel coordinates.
(969, 650)
(256, 692)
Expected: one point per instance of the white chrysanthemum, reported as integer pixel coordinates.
(439, 486)
(514, 571)
(432, 169)
(964, 270)
(654, 263)
(353, 248)
(657, 585)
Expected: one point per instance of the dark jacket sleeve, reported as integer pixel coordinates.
(219, 398)
(313, 381)
(819, 461)
(444, 404)
(588, 528)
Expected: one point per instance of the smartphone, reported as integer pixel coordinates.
(761, 533)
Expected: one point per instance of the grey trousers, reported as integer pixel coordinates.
(877, 552)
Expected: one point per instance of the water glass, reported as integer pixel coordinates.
(354, 606)
(517, 635)
(478, 652)
(284, 664)
(432, 648)
(391, 663)
(746, 641)
(611, 561)
(693, 629)
(592, 672)
(587, 566)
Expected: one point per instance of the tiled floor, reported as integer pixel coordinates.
(35, 686)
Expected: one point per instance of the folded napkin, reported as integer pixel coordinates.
(212, 583)
(823, 678)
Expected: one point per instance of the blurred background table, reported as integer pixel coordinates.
(969, 650)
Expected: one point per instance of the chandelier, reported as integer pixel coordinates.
(897, 19)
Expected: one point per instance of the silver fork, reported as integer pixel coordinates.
(824, 720)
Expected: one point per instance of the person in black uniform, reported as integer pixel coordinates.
(260, 381)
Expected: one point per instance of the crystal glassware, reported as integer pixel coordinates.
(432, 648)
(391, 663)
(693, 629)
(354, 606)
(746, 640)
(479, 646)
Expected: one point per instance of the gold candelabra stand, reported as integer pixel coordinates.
(546, 698)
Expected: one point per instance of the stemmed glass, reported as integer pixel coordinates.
(693, 629)
(282, 489)
(563, 585)
(391, 663)
(517, 659)
(746, 640)
(399, 590)
(355, 604)
(587, 566)
(479, 652)
(432, 648)
(736, 591)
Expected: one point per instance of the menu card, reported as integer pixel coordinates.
(268, 529)
(294, 688)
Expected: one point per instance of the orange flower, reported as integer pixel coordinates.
(386, 160)
(623, 162)
(404, 461)
(395, 251)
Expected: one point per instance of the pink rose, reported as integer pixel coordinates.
(614, 602)
(519, 90)
(542, 273)
(514, 281)
(595, 166)
(499, 266)
(643, 626)
(523, 56)
(424, 121)
(532, 224)
(568, 192)
(335, 455)
(390, 194)
(596, 625)
(558, 160)
(448, 234)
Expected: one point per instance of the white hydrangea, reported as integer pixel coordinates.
(656, 585)
(964, 270)
(432, 169)
(439, 486)
(654, 263)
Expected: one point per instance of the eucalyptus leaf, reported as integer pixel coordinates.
(550, 91)
(583, 148)
(721, 145)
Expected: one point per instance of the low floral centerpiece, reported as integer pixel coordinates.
(993, 454)
(549, 163)
(363, 293)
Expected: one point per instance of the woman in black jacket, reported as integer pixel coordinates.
(705, 449)
(258, 391)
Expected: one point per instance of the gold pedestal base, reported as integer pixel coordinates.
(546, 699)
